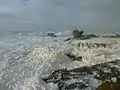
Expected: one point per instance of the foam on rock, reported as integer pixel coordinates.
(107, 50)
(84, 77)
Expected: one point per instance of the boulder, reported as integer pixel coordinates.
(77, 34)
(51, 35)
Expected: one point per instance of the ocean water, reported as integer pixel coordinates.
(26, 57)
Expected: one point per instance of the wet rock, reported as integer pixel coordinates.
(51, 35)
(81, 70)
(68, 39)
(92, 35)
(61, 85)
(65, 75)
(95, 45)
(70, 56)
(84, 37)
(79, 44)
(74, 58)
(77, 34)
(78, 85)
(108, 85)
(100, 45)
(57, 76)
(111, 35)
(102, 72)
(118, 82)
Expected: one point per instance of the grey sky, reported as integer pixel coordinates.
(60, 15)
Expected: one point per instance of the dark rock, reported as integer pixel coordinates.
(51, 78)
(77, 33)
(84, 37)
(88, 36)
(111, 35)
(64, 86)
(92, 35)
(118, 83)
(100, 45)
(61, 85)
(60, 71)
(79, 58)
(51, 35)
(57, 75)
(103, 75)
(62, 76)
(79, 44)
(108, 85)
(74, 58)
(82, 70)
(78, 85)
(68, 39)
(70, 56)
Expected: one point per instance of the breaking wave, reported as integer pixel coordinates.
(24, 59)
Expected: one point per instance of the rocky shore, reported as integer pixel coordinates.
(87, 78)
(84, 48)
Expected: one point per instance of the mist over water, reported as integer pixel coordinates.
(26, 57)
(98, 16)
(27, 53)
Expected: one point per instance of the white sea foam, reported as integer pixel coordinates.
(92, 54)
(25, 58)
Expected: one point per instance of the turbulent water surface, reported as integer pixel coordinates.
(25, 58)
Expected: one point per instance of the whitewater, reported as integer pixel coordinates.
(26, 57)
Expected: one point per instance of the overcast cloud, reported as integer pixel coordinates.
(59, 15)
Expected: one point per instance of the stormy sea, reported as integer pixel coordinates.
(37, 61)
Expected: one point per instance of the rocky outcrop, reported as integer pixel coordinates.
(51, 35)
(80, 35)
(77, 34)
(80, 77)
